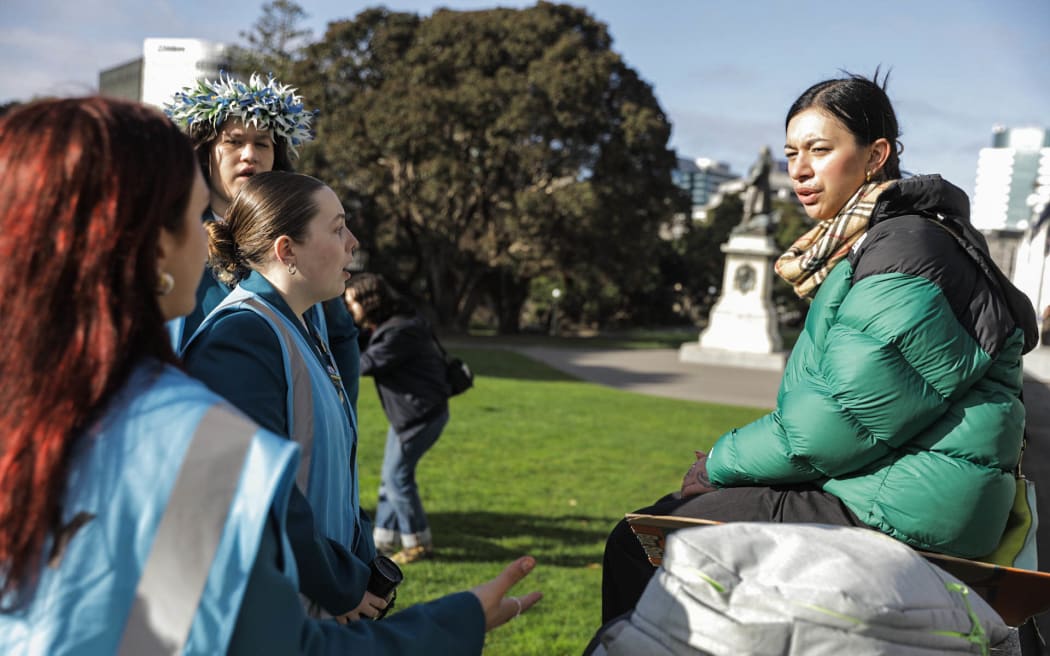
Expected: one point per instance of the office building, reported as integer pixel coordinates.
(1009, 173)
(123, 81)
(166, 66)
(1012, 174)
(701, 178)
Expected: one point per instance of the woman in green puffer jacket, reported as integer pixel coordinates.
(900, 406)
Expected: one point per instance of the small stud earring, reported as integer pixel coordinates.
(165, 283)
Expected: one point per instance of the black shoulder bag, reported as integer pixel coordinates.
(460, 377)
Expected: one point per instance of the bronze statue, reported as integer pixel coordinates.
(758, 199)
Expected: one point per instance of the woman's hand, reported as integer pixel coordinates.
(371, 606)
(498, 607)
(696, 481)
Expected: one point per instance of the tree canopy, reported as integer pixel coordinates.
(275, 42)
(478, 151)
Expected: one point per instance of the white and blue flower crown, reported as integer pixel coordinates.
(265, 106)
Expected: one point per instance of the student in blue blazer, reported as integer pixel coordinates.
(285, 244)
(139, 512)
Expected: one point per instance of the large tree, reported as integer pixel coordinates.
(275, 43)
(479, 150)
(698, 262)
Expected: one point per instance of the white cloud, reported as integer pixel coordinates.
(53, 63)
(43, 56)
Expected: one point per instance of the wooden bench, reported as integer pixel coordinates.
(1016, 594)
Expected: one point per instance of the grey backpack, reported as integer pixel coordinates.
(794, 589)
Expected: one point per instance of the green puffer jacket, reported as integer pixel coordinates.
(901, 396)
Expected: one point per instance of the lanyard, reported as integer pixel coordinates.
(328, 362)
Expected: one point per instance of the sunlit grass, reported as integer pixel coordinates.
(536, 462)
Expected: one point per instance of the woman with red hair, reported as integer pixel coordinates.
(138, 511)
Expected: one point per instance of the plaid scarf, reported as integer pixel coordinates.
(808, 261)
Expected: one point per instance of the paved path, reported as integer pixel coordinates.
(658, 372)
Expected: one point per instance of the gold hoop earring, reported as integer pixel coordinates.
(165, 283)
(291, 268)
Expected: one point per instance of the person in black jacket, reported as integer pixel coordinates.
(409, 371)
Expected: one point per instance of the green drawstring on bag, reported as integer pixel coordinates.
(977, 634)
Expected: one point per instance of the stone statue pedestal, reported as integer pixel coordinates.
(742, 330)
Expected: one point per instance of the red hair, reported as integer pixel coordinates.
(85, 187)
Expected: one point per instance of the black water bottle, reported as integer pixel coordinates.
(383, 582)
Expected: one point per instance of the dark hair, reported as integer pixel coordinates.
(203, 135)
(863, 107)
(377, 298)
(86, 185)
(268, 206)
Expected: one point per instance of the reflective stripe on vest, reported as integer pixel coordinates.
(302, 428)
(173, 578)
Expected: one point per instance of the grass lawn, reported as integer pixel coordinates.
(535, 462)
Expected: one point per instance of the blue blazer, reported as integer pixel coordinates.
(241, 355)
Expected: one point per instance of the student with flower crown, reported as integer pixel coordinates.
(241, 130)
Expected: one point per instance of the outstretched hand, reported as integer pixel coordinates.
(696, 481)
(500, 608)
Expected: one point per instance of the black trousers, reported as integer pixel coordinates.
(626, 570)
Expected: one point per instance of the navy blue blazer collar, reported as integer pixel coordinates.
(259, 285)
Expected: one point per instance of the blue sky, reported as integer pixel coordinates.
(724, 71)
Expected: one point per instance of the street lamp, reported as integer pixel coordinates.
(555, 295)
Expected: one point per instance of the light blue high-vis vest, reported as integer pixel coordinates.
(320, 420)
(167, 498)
